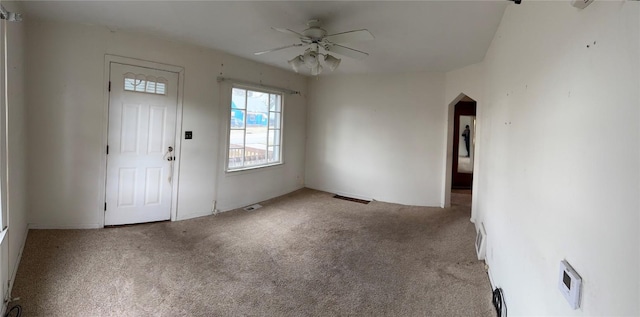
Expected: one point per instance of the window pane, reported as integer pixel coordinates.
(140, 85)
(236, 139)
(161, 88)
(257, 138)
(274, 137)
(151, 87)
(129, 84)
(274, 154)
(274, 120)
(255, 156)
(278, 104)
(257, 102)
(237, 119)
(236, 158)
(238, 98)
(272, 102)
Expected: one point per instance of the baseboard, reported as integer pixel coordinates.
(17, 264)
(341, 193)
(493, 285)
(70, 226)
(222, 207)
(195, 215)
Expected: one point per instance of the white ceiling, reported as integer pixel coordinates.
(409, 36)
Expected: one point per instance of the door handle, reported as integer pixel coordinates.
(170, 157)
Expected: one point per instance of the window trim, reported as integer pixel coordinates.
(238, 171)
(4, 134)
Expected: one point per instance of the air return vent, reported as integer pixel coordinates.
(362, 201)
(252, 207)
(481, 242)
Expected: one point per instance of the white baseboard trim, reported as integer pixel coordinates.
(341, 193)
(493, 285)
(69, 226)
(17, 263)
(232, 206)
(195, 215)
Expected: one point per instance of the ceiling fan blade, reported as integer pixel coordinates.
(276, 49)
(290, 32)
(351, 36)
(346, 51)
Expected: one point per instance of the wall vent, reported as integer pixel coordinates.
(362, 201)
(252, 207)
(481, 242)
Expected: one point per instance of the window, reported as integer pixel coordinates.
(255, 129)
(146, 84)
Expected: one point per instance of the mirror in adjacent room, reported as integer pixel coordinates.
(466, 144)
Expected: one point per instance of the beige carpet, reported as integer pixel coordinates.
(304, 254)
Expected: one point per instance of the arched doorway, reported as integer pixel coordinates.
(464, 132)
(459, 162)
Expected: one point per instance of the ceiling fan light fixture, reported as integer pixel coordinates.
(311, 59)
(296, 62)
(315, 71)
(332, 62)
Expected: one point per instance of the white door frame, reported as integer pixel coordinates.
(108, 59)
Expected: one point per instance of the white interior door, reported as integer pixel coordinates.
(142, 123)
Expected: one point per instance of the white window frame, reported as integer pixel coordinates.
(228, 136)
(4, 152)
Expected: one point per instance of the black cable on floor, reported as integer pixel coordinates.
(17, 309)
(498, 302)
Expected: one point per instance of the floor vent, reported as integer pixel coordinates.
(252, 207)
(362, 201)
(481, 242)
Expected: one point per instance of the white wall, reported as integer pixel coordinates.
(16, 143)
(66, 115)
(559, 169)
(466, 80)
(377, 136)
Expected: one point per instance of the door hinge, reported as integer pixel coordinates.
(105, 206)
(109, 85)
(107, 149)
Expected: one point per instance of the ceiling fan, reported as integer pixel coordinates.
(316, 38)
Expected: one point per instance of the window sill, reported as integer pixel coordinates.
(254, 169)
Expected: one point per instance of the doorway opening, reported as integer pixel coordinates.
(460, 156)
(464, 128)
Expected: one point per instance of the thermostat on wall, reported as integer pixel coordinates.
(570, 284)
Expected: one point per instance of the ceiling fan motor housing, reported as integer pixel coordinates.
(315, 33)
